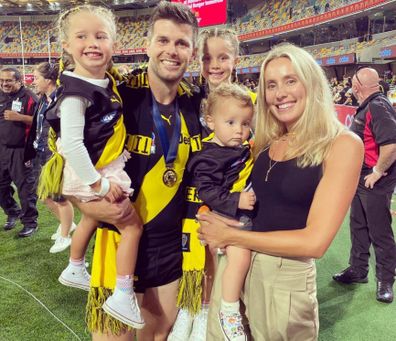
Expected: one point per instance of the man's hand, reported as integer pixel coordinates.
(10, 115)
(115, 193)
(371, 179)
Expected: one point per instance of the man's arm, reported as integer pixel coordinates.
(387, 156)
(384, 130)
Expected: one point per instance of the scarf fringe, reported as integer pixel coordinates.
(96, 319)
(51, 177)
(190, 291)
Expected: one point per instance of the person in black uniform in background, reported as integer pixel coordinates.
(17, 105)
(371, 220)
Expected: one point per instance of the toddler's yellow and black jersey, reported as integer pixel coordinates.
(220, 174)
(104, 131)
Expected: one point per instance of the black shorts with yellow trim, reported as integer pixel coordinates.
(159, 259)
(158, 263)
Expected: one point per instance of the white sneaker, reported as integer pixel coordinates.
(231, 326)
(182, 328)
(200, 325)
(61, 243)
(75, 277)
(58, 231)
(124, 307)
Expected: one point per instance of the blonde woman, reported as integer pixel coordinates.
(305, 175)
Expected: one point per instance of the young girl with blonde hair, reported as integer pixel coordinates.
(87, 116)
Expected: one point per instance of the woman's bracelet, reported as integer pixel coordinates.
(104, 187)
(377, 172)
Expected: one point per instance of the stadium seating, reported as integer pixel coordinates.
(279, 12)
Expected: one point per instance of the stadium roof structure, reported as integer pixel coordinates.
(29, 7)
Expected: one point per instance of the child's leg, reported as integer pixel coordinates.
(230, 318)
(238, 262)
(128, 247)
(123, 216)
(53, 207)
(81, 237)
(123, 304)
(66, 216)
(64, 212)
(76, 275)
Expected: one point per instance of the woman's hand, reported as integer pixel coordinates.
(216, 230)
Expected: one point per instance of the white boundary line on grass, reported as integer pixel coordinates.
(43, 305)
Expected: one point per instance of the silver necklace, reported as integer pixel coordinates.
(270, 166)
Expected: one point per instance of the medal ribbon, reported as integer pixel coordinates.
(170, 150)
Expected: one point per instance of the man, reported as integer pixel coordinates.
(159, 111)
(17, 106)
(375, 123)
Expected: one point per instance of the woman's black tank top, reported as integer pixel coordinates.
(284, 200)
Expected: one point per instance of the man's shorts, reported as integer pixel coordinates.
(159, 264)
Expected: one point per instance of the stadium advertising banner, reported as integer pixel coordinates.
(337, 60)
(388, 52)
(127, 52)
(317, 19)
(208, 12)
(345, 114)
(29, 78)
(29, 55)
(123, 52)
(240, 71)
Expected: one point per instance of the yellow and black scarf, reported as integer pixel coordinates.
(151, 197)
(190, 287)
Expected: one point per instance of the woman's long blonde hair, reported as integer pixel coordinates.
(314, 132)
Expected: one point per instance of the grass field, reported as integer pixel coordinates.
(347, 313)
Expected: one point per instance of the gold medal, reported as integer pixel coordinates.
(170, 177)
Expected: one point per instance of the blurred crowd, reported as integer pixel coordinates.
(39, 37)
(276, 13)
(342, 89)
